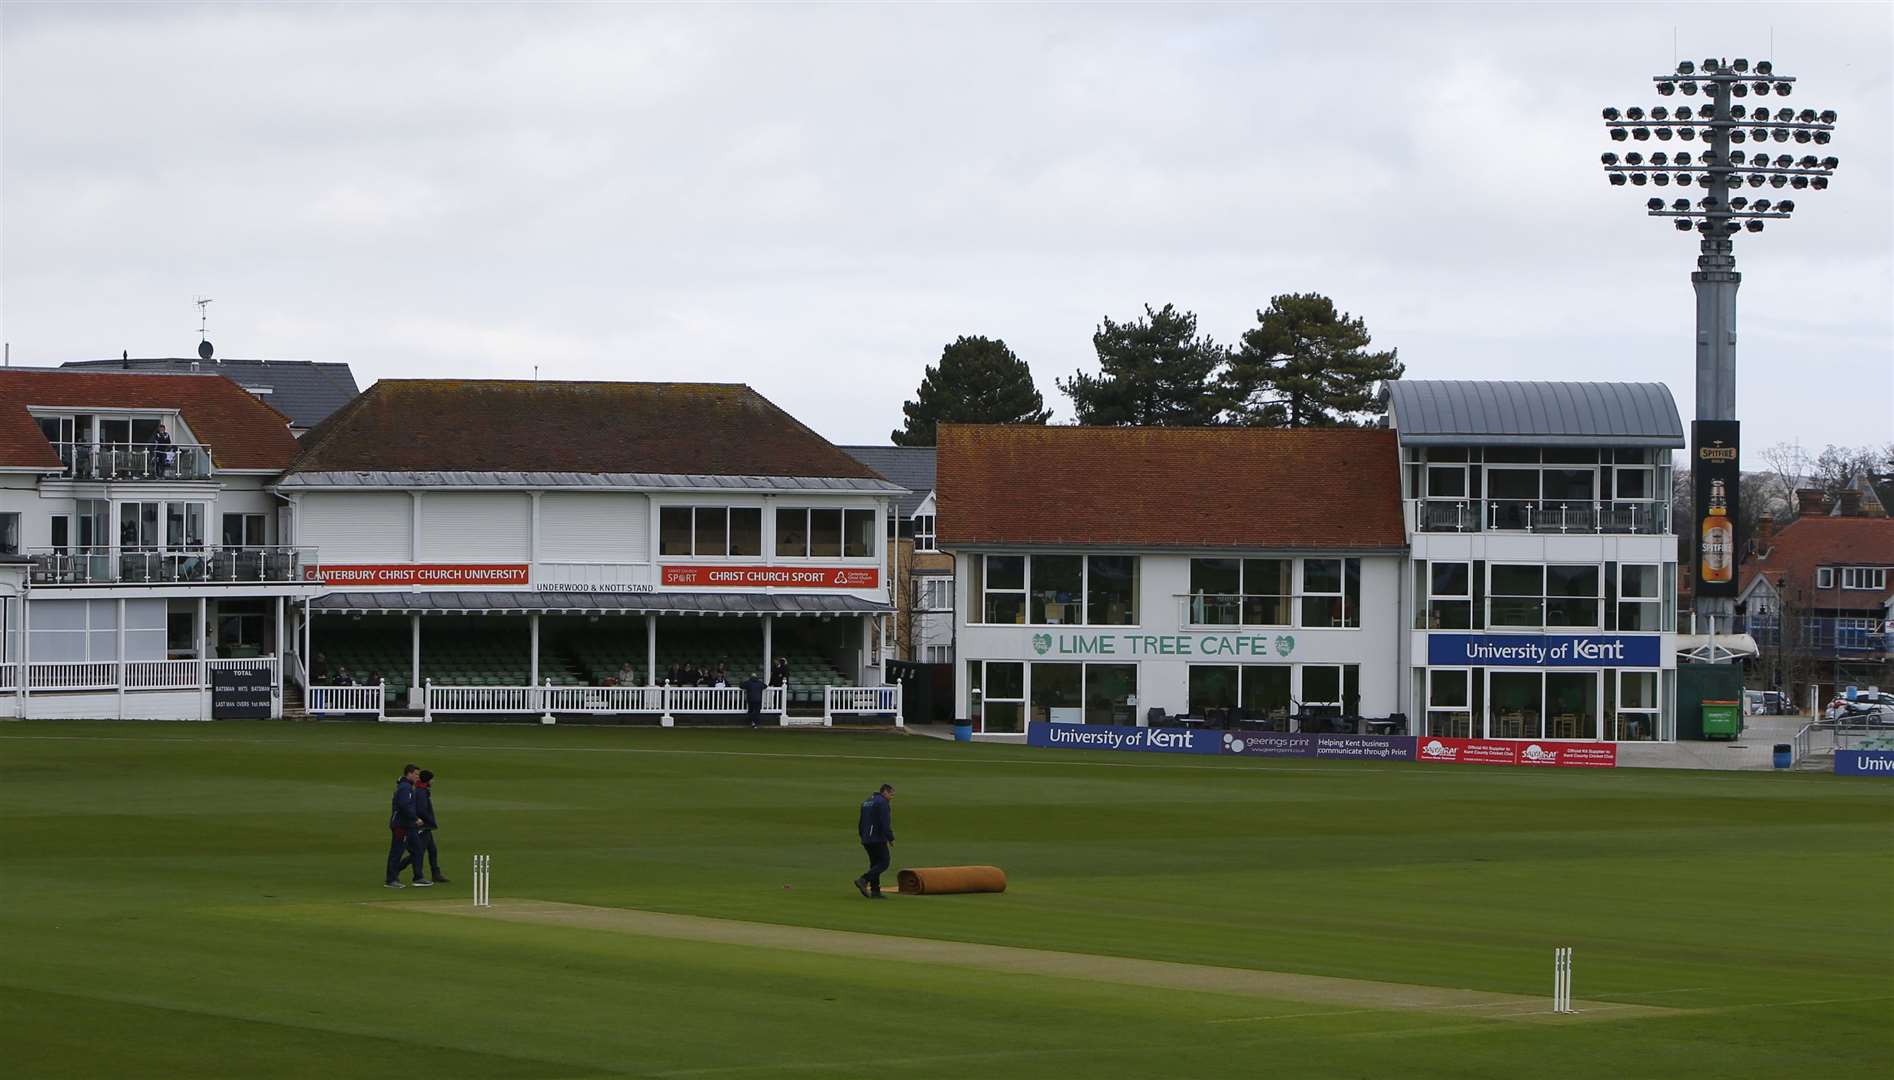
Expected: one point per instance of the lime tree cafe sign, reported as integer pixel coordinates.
(1142, 645)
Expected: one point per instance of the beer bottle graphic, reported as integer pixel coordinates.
(1719, 537)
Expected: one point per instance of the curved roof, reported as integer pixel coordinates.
(1458, 412)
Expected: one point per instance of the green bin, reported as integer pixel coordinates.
(1722, 719)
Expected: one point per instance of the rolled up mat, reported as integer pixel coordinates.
(940, 880)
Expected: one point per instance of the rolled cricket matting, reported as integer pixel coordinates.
(1204, 978)
(941, 880)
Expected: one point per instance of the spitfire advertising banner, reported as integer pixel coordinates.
(1717, 478)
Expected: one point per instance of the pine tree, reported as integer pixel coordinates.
(1306, 365)
(1155, 371)
(978, 381)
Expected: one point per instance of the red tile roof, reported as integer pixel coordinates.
(1197, 488)
(1807, 543)
(241, 431)
(492, 425)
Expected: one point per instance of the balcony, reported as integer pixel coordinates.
(1542, 516)
(134, 461)
(1233, 609)
(1820, 635)
(171, 566)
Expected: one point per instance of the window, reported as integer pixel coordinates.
(1264, 693)
(1111, 590)
(713, 531)
(934, 593)
(937, 654)
(924, 532)
(1571, 595)
(1058, 694)
(1640, 603)
(1863, 577)
(1825, 578)
(825, 534)
(138, 524)
(1331, 689)
(1111, 694)
(243, 530)
(1449, 703)
(1331, 592)
(62, 532)
(1057, 590)
(996, 693)
(9, 534)
(1213, 686)
(858, 533)
(1247, 592)
(1001, 585)
(184, 525)
(1637, 712)
(1449, 596)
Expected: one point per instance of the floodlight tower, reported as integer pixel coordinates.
(1723, 124)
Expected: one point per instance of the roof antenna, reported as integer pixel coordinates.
(204, 348)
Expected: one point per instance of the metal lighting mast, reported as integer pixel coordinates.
(1735, 137)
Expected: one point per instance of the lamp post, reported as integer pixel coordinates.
(1735, 134)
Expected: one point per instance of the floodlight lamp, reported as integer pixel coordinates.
(1641, 134)
(1634, 113)
(1611, 113)
(1710, 203)
(1829, 163)
(1683, 179)
(1687, 133)
(1739, 111)
(1786, 206)
(1660, 179)
(1663, 134)
(1689, 89)
(1710, 65)
(1777, 180)
(1739, 90)
(1827, 116)
(1808, 161)
(1739, 65)
(1732, 228)
(1706, 227)
(1807, 116)
(1634, 158)
(1782, 89)
(1800, 182)
(1784, 161)
(1617, 179)
(1659, 112)
(1764, 67)
(1738, 203)
(1819, 183)
(1639, 179)
(1660, 158)
(1618, 135)
(1654, 204)
(1683, 225)
(1682, 158)
(1608, 158)
(1736, 157)
(1752, 225)
(1667, 88)
(1738, 135)
(1685, 67)
(1762, 205)
(1680, 205)
(1821, 138)
(1761, 88)
(1803, 135)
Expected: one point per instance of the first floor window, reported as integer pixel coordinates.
(924, 532)
(1449, 596)
(938, 654)
(1331, 592)
(713, 531)
(1825, 577)
(934, 593)
(243, 530)
(9, 534)
(999, 586)
(1057, 590)
(1640, 600)
(1061, 590)
(1863, 577)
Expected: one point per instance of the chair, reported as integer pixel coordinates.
(1155, 717)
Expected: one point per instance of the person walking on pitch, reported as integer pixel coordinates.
(424, 809)
(876, 827)
(404, 827)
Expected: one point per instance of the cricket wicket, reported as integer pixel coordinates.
(1562, 981)
(483, 880)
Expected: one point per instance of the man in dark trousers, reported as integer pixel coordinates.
(876, 827)
(753, 698)
(424, 809)
(404, 825)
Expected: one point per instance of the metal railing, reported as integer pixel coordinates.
(1612, 516)
(1816, 633)
(134, 460)
(205, 565)
(1234, 609)
(346, 700)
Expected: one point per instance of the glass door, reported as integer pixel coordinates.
(1571, 705)
(1515, 704)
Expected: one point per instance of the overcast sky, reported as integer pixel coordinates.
(813, 200)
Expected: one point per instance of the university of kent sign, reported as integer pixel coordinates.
(1544, 650)
(1143, 645)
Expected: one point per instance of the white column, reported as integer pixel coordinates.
(414, 649)
(532, 666)
(861, 664)
(121, 657)
(769, 643)
(203, 613)
(651, 650)
(282, 652)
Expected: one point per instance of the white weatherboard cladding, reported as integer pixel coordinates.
(601, 528)
(461, 527)
(357, 526)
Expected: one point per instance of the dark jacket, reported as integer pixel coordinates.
(424, 806)
(779, 672)
(753, 693)
(877, 820)
(403, 816)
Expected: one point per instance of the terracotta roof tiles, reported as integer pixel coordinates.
(241, 431)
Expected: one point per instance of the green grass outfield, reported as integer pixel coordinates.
(205, 900)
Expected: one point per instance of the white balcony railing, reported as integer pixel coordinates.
(345, 700)
(1614, 516)
(202, 565)
(1233, 609)
(134, 461)
(862, 701)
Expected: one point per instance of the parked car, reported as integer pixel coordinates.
(1874, 708)
(1765, 702)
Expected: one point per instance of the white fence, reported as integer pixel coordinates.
(67, 676)
(346, 700)
(862, 701)
(662, 701)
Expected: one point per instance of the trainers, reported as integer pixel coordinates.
(422, 883)
(441, 879)
(861, 886)
(876, 895)
(393, 885)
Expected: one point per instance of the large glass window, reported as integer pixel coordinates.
(1516, 596)
(674, 530)
(746, 531)
(792, 533)
(1265, 694)
(1057, 590)
(1212, 686)
(1216, 592)
(1004, 593)
(1449, 596)
(1331, 689)
(1637, 712)
(1111, 694)
(858, 534)
(1571, 705)
(1640, 603)
(138, 524)
(243, 530)
(184, 525)
(924, 532)
(9, 534)
(825, 534)
(1058, 694)
(1571, 595)
(998, 695)
(1515, 703)
(1331, 591)
(1111, 590)
(1449, 703)
(710, 531)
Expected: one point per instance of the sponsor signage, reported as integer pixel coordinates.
(1224, 645)
(465, 574)
(595, 587)
(1545, 650)
(241, 693)
(1294, 744)
(1514, 752)
(1864, 763)
(1716, 477)
(1102, 737)
(771, 577)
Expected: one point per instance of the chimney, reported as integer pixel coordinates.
(1810, 502)
(1765, 531)
(1850, 503)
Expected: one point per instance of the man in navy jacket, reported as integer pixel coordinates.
(876, 827)
(424, 809)
(404, 827)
